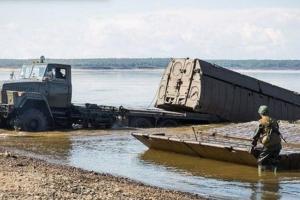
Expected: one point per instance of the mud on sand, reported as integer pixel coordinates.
(27, 178)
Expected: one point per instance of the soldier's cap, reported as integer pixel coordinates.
(263, 110)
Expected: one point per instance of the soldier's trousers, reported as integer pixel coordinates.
(268, 156)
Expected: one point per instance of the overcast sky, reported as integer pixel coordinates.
(214, 29)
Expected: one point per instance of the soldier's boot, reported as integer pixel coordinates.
(275, 162)
(274, 170)
(259, 169)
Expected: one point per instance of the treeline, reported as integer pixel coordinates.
(101, 63)
(134, 63)
(258, 64)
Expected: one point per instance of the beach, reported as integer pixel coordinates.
(28, 178)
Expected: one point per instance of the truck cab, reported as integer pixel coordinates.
(51, 80)
(41, 92)
(39, 99)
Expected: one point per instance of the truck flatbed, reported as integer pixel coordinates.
(146, 118)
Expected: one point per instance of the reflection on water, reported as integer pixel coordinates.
(120, 154)
(201, 167)
(58, 144)
(266, 187)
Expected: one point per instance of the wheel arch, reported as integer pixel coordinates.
(39, 104)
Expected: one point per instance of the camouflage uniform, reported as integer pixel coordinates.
(268, 134)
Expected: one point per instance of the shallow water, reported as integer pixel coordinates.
(118, 153)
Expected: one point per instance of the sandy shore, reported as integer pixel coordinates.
(26, 178)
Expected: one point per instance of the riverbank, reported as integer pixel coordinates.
(27, 178)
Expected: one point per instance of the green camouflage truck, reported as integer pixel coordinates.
(41, 100)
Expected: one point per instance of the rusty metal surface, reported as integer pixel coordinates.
(199, 86)
(219, 151)
(229, 143)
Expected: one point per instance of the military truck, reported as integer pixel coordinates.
(191, 91)
(41, 99)
(194, 85)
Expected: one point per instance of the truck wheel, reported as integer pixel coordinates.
(2, 123)
(33, 120)
(141, 123)
(167, 123)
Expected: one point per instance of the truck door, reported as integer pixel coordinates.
(58, 86)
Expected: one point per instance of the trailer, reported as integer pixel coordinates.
(194, 85)
(146, 118)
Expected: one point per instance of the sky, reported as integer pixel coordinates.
(214, 29)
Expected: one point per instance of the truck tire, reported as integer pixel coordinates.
(33, 120)
(141, 122)
(167, 123)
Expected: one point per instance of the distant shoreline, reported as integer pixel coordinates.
(155, 63)
(241, 69)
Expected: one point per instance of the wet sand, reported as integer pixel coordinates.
(27, 178)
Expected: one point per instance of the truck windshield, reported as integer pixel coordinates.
(33, 71)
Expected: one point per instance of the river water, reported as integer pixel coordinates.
(117, 152)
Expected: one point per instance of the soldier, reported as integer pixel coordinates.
(59, 74)
(269, 136)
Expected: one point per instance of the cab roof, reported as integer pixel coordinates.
(53, 64)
